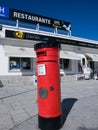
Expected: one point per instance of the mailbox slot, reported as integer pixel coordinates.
(42, 53)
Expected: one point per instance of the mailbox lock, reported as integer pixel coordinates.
(51, 88)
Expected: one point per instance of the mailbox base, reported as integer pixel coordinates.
(53, 123)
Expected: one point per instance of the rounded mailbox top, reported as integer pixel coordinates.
(46, 45)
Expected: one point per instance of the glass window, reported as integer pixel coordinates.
(79, 67)
(25, 63)
(18, 63)
(65, 64)
(14, 63)
(83, 61)
(61, 63)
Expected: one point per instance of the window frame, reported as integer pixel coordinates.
(20, 60)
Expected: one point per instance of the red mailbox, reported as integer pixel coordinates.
(48, 76)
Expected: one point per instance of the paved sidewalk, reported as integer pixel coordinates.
(17, 104)
(18, 107)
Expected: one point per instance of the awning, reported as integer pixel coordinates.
(94, 57)
(19, 51)
(81, 55)
(69, 55)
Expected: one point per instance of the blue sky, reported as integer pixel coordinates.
(82, 14)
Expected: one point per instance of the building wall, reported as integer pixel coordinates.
(4, 63)
(19, 78)
(16, 77)
(4, 69)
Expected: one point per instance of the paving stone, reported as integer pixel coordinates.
(19, 116)
(6, 121)
(30, 124)
(32, 110)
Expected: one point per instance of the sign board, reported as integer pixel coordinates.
(41, 38)
(35, 19)
(4, 12)
(41, 69)
(23, 16)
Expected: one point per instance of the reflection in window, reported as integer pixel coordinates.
(14, 63)
(17, 63)
(25, 63)
(65, 64)
(80, 67)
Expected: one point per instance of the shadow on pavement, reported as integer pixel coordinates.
(67, 105)
(83, 128)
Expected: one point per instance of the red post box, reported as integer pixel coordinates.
(48, 77)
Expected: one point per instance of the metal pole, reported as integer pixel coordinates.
(17, 23)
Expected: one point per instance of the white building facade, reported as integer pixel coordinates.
(18, 58)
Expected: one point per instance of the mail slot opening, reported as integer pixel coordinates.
(42, 53)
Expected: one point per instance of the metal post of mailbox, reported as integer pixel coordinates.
(48, 86)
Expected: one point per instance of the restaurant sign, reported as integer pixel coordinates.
(23, 16)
